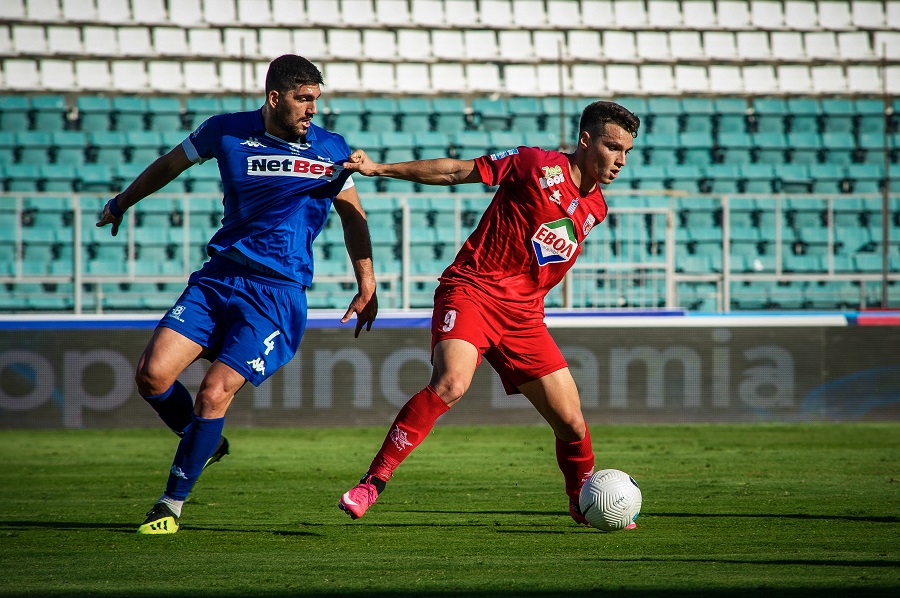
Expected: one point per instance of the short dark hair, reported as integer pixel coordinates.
(288, 71)
(597, 115)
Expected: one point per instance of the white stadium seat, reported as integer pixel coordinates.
(238, 77)
(887, 43)
(461, 13)
(548, 79)
(28, 39)
(529, 13)
(79, 10)
(495, 13)
(201, 76)
(480, 44)
(585, 45)
(205, 42)
(134, 41)
(733, 14)
(21, 74)
(801, 14)
(760, 79)
(129, 75)
(720, 45)
(393, 13)
(428, 12)
(596, 13)
(311, 43)
(101, 41)
(664, 14)
(892, 16)
(149, 12)
(12, 10)
(892, 84)
(43, 10)
(414, 44)
(562, 13)
(657, 79)
(820, 45)
(726, 79)
(413, 77)
(686, 44)
(186, 13)
(630, 14)
(699, 14)
(767, 14)
(342, 76)
(623, 79)
(114, 11)
(323, 12)
(854, 45)
(549, 44)
(828, 79)
(864, 79)
(653, 45)
(57, 75)
(520, 79)
(483, 77)
(835, 14)
(619, 45)
(275, 42)
(6, 47)
(378, 77)
(588, 80)
(92, 75)
(64, 40)
(255, 12)
(692, 79)
(219, 12)
(289, 12)
(868, 14)
(166, 75)
(753, 45)
(379, 44)
(515, 45)
(793, 78)
(170, 41)
(241, 42)
(448, 78)
(447, 44)
(788, 45)
(345, 43)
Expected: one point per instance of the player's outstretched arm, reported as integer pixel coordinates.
(160, 173)
(439, 171)
(359, 248)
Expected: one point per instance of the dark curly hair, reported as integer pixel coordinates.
(597, 115)
(288, 71)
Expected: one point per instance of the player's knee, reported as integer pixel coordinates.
(451, 388)
(151, 382)
(212, 401)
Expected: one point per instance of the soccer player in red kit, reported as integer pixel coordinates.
(490, 300)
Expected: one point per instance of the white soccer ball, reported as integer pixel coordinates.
(610, 500)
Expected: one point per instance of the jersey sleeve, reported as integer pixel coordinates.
(201, 145)
(501, 167)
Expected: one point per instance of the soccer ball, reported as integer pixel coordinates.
(610, 500)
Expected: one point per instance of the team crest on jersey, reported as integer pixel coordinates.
(553, 175)
(253, 142)
(555, 242)
(290, 166)
(500, 155)
(589, 223)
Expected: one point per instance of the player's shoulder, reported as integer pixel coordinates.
(534, 155)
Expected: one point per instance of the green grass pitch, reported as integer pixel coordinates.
(748, 510)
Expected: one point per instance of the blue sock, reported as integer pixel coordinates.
(196, 447)
(175, 407)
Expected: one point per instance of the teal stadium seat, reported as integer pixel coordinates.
(730, 115)
(804, 115)
(838, 115)
(734, 147)
(661, 149)
(15, 113)
(414, 114)
(804, 148)
(696, 147)
(143, 146)
(94, 178)
(128, 113)
(665, 115)
(647, 177)
(499, 141)
(470, 144)
(22, 177)
(871, 146)
(198, 109)
(69, 147)
(770, 147)
(431, 144)
(107, 147)
(826, 178)
(757, 177)
(525, 114)
(793, 178)
(491, 114)
(398, 146)
(450, 114)
(94, 113)
(770, 115)
(722, 178)
(698, 115)
(164, 113)
(870, 115)
(380, 114)
(839, 148)
(683, 177)
(49, 113)
(564, 114)
(866, 177)
(345, 115)
(7, 147)
(33, 147)
(58, 177)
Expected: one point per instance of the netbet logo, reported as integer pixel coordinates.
(555, 242)
(294, 167)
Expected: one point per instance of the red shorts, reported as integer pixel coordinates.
(520, 348)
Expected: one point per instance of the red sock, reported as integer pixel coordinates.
(576, 461)
(409, 429)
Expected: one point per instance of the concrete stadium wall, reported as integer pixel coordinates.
(62, 372)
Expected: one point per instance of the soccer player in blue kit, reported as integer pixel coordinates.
(245, 309)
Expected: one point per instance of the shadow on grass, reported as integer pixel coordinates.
(131, 528)
(861, 518)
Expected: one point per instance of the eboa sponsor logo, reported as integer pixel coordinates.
(555, 242)
(295, 167)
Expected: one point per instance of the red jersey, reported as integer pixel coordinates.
(531, 232)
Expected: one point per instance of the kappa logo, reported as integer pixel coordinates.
(258, 365)
(178, 472)
(253, 142)
(556, 197)
(553, 175)
(555, 242)
(176, 312)
(399, 438)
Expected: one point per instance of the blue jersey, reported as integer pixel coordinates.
(277, 193)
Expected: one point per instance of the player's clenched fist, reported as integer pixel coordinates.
(360, 162)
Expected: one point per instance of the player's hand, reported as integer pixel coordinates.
(361, 163)
(365, 309)
(107, 218)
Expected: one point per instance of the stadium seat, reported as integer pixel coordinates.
(107, 147)
(414, 114)
(33, 147)
(345, 114)
(49, 112)
(129, 113)
(380, 114)
(804, 148)
(94, 113)
(68, 147)
(431, 144)
(734, 147)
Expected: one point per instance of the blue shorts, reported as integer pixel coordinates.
(249, 321)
